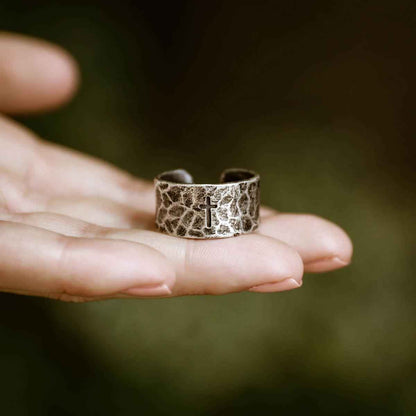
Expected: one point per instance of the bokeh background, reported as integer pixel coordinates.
(319, 97)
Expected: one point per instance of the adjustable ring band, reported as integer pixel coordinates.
(189, 210)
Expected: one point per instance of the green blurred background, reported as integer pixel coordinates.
(319, 97)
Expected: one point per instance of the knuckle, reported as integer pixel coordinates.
(70, 282)
(65, 297)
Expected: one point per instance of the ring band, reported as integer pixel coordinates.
(189, 210)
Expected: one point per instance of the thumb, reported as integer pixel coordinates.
(35, 75)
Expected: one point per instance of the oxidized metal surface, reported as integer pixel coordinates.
(189, 210)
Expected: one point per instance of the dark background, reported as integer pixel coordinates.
(319, 97)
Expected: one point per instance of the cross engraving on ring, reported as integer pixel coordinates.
(207, 206)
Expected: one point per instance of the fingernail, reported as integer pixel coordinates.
(155, 290)
(331, 263)
(287, 284)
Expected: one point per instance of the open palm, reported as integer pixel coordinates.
(76, 228)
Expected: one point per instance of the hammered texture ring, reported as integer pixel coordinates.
(190, 210)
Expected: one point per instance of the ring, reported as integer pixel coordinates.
(190, 210)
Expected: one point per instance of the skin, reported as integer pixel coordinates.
(75, 228)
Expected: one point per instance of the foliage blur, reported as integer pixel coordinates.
(317, 97)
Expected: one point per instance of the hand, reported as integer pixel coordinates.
(75, 228)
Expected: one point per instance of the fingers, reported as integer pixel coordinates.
(216, 267)
(322, 245)
(40, 262)
(34, 74)
(250, 262)
(59, 173)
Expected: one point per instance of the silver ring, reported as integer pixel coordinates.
(189, 210)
